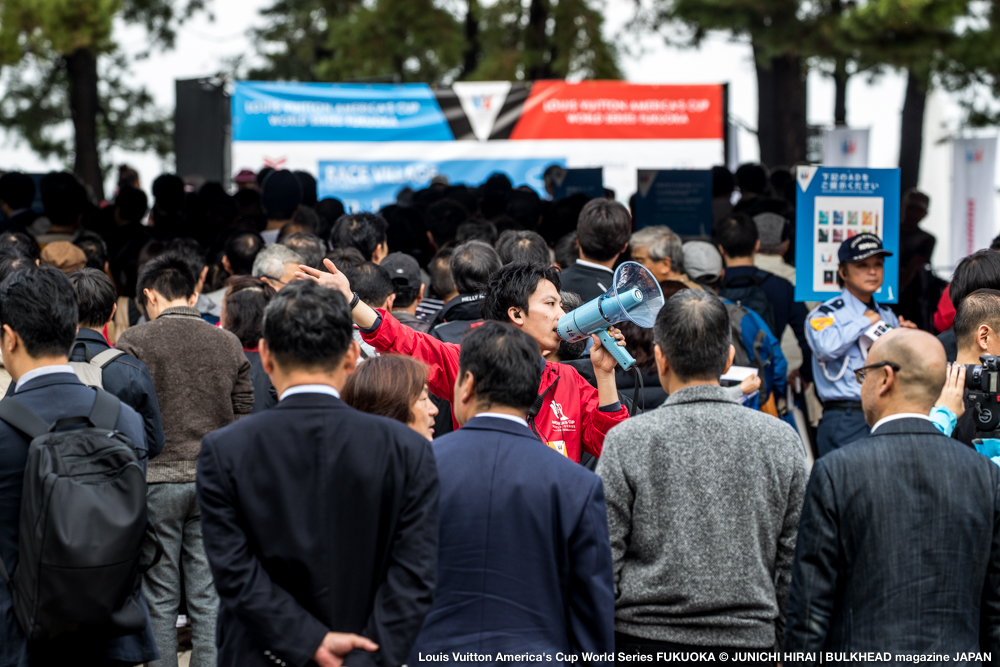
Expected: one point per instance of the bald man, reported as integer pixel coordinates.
(899, 542)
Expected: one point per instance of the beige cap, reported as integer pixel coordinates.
(64, 256)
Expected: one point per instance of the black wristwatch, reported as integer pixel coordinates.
(355, 300)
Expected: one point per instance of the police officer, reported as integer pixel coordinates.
(840, 332)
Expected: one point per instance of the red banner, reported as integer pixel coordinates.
(620, 110)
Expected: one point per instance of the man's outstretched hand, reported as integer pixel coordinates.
(336, 646)
(335, 279)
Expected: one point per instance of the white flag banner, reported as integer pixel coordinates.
(973, 165)
(845, 147)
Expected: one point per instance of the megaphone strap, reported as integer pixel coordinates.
(536, 407)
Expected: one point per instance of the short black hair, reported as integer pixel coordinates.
(308, 183)
(443, 218)
(308, 326)
(169, 275)
(311, 247)
(504, 362)
(22, 243)
(345, 259)
(371, 282)
(63, 197)
(603, 229)
(241, 250)
(692, 330)
(132, 204)
(980, 270)
(11, 261)
(168, 191)
(95, 296)
(567, 251)
(752, 178)
(17, 190)
(439, 269)
(980, 307)
(363, 231)
(525, 207)
(737, 235)
(723, 182)
(513, 285)
(471, 265)
(477, 230)
(329, 211)
(94, 247)
(40, 306)
(191, 252)
(523, 246)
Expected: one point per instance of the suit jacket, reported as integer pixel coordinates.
(264, 394)
(51, 397)
(586, 281)
(898, 548)
(525, 561)
(316, 518)
(127, 378)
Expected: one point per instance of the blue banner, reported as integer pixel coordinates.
(832, 205)
(280, 111)
(680, 199)
(369, 186)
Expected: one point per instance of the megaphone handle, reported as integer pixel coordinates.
(620, 354)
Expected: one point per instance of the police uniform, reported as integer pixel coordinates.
(836, 334)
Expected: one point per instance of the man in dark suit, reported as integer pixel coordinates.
(38, 314)
(525, 560)
(320, 522)
(899, 541)
(603, 233)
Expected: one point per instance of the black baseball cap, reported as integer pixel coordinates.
(862, 247)
(403, 269)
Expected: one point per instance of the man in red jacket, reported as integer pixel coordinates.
(573, 416)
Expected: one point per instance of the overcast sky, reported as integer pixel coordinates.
(203, 45)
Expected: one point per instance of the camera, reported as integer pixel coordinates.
(983, 383)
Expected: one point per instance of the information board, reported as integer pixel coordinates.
(834, 204)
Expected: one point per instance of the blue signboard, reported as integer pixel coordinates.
(680, 199)
(370, 185)
(575, 181)
(834, 204)
(281, 111)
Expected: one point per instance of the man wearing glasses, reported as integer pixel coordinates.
(840, 332)
(898, 545)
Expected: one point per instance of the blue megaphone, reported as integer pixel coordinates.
(635, 297)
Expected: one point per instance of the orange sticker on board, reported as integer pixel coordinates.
(820, 323)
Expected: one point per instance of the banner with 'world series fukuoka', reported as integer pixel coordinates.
(366, 142)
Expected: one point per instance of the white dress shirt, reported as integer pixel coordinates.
(901, 415)
(309, 389)
(39, 372)
(498, 415)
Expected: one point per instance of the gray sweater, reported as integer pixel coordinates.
(704, 498)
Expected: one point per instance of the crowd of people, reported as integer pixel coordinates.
(269, 431)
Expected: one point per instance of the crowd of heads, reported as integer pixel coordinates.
(138, 255)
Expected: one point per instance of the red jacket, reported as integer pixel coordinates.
(569, 418)
(944, 317)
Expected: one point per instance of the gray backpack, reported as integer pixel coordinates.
(91, 372)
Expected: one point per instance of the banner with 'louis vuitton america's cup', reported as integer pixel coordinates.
(365, 142)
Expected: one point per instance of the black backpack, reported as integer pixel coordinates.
(83, 523)
(746, 291)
